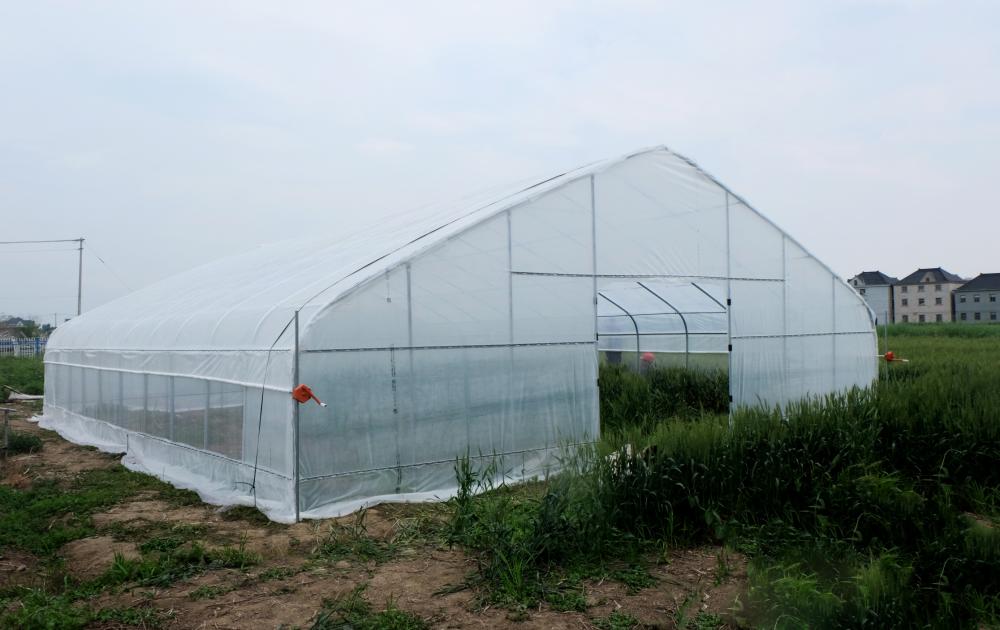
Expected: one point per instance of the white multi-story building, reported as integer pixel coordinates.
(876, 288)
(925, 296)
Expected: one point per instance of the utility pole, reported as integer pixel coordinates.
(79, 282)
(79, 271)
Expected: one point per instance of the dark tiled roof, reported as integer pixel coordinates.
(982, 282)
(937, 275)
(875, 278)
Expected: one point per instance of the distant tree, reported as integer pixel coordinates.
(30, 329)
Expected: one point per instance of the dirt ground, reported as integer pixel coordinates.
(287, 588)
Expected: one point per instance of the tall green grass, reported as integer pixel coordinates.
(629, 399)
(874, 507)
(24, 374)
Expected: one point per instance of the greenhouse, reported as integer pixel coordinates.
(470, 329)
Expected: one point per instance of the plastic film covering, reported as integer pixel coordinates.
(662, 316)
(469, 328)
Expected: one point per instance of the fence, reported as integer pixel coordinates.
(33, 347)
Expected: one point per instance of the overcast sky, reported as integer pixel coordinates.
(174, 133)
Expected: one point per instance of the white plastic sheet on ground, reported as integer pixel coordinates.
(464, 329)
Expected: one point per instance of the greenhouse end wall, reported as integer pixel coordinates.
(475, 335)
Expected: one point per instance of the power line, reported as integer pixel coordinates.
(117, 277)
(31, 251)
(64, 240)
(79, 273)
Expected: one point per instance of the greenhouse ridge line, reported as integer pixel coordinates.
(644, 276)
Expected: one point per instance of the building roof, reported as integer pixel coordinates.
(937, 275)
(876, 278)
(982, 282)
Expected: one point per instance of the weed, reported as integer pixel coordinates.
(39, 610)
(246, 513)
(722, 568)
(706, 621)
(634, 577)
(352, 542)
(617, 620)
(161, 543)
(277, 573)
(137, 616)
(354, 613)
(42, 518)
(566, 596)
(235, 557)
(18, 442)
(166, 566)
(210, 591)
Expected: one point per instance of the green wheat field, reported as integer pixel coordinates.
(876, 508)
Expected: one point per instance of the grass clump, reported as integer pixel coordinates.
(352, 612)
(19, 442)
(45, 516)
(246, 513)
(166, 565)
(351, 542)
(36, 609)
(50, 513)
(617, 620)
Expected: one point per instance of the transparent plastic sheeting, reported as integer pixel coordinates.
(669, 316)
(470, 328)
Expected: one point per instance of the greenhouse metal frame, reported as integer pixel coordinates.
(472, 328)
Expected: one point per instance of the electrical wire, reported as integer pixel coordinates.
(91, 250)
(32, 251)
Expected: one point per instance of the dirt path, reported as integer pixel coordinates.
(289, 584)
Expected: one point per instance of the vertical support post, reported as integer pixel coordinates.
(100, 394)
(510, 340)
(729, 310)
(784, 319)
(79, 281)
(295, 418)
(6, 431)
(593, 252)
(145, 402)
(208, 404)
(173, 408)
(833, 327)
(122, 413)
(510, 281)
(411, 376)
(593, 255)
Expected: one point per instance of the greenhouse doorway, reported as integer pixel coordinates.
(647, 323)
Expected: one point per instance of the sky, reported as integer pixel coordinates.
(171, 134)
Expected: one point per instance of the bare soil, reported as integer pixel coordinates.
(424, 579)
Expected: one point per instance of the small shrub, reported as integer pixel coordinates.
(18, 442)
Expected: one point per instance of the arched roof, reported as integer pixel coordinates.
(245, 302)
